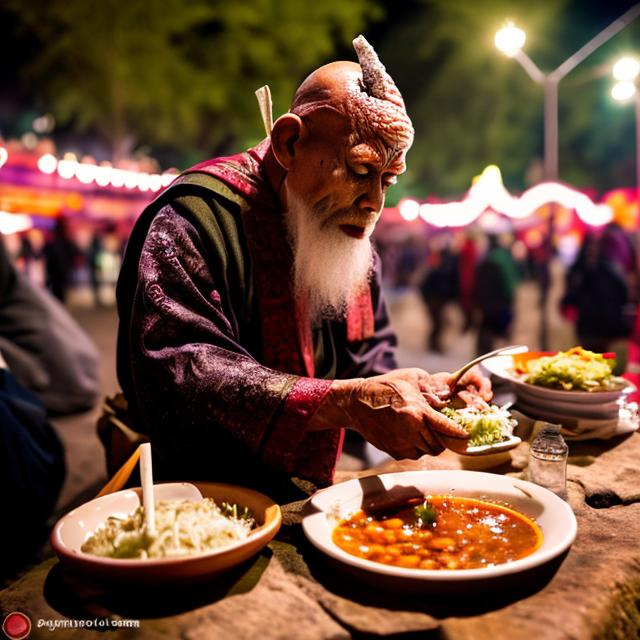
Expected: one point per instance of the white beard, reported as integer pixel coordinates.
(329, 268)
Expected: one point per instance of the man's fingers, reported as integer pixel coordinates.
(474, 379)
(433, 445)
(440, 423)
(433, 399)
(455, 444)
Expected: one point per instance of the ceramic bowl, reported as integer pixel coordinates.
(552, 514)
(72, 530)
(602, 401)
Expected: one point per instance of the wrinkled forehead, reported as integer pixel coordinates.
(360, 140)
(377, 154)
(378, 135)
(338, 88)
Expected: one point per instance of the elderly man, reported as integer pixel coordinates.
(253, 330)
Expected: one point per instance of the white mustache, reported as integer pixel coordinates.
(365, 221)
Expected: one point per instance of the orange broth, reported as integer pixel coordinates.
(467, 534)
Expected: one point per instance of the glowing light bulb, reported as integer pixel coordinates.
(86, 173)
(47, 163)
(409, 209)
(67, 169)
(626, 69)
(623, 90)
(510, 39)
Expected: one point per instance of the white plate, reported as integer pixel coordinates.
(488, 449)
(502, 367)
(554, 516)
(577, 410)
(578, 428)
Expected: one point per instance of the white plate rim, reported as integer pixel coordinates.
(498, 447)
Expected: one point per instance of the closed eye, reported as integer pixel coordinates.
(361, 169)
(389, 180)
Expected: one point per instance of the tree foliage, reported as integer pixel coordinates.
(472, 106)
(178, 72)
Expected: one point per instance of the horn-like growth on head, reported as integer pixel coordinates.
(374, 76)
(365, 93)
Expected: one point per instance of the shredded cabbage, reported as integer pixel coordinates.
(183, 528)
(486, 425)
(575, 370)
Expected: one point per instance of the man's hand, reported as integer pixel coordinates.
(398, 412)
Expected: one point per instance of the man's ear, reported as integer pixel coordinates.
(287, 130)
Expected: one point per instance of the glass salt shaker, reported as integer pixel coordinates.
(548, 455)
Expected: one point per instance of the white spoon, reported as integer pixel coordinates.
(151, 493)
(146, 477)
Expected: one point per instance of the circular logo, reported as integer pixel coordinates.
(16, 626)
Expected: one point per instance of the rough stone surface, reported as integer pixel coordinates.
(292, 591)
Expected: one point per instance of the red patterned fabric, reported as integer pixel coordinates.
(183, 361)
(286, 329)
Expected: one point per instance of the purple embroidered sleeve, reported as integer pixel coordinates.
(192, 375)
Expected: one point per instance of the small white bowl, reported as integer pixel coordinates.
(552, 514)
(72, 530)
(490, 449)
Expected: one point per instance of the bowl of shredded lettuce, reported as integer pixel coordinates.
(576, 376)
(577, 369)
(182, 528)
(490, 427)
(106, 538)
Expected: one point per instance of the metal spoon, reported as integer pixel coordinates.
(503, 351)
(453, 380)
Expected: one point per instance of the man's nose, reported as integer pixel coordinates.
(372, 199)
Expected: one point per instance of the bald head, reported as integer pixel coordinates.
(364, 93)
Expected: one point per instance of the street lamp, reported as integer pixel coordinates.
(510, 40)
(626, 72)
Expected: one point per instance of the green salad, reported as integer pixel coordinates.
(488, 424)
(575, 370)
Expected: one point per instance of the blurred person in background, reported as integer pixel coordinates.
(31, 258)
(440, 287)
(253, 329)
(93, 257)
(467, 265)
(496, 280)
(619, 249)
(32, 470)
(45, 349)
(60, 258)
(597, 296)
(47, 366)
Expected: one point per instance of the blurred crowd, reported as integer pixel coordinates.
(72, 254)
(479, 273)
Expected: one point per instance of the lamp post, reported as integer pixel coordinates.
(626, 71)
(510, 40)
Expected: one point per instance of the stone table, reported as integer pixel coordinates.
(290, 592)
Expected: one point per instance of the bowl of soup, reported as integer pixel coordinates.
(441, 531)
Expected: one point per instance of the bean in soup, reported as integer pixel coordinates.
(443, 533)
